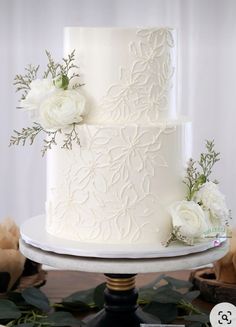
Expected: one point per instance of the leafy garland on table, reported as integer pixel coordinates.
(170, 302)
(54, 102)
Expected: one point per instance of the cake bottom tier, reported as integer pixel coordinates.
(117, 186)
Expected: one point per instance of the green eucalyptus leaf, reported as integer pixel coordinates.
(178, 283)
(61, 319)
(15, 297)
(75, 306)
(153, 283)
(8, 310)
(203, 318)
(147, 292)
(195, 324)
(146, 295)
(99, 295)
(18, 299)
(192, 295)
(85, 297)
(36, 298)
(27, 324)
(165, 294)
(166, 312)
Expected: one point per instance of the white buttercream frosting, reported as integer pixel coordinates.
(129, 74)
(116, 186)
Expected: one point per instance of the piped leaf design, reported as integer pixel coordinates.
(150, 74)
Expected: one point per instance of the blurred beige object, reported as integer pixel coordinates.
(11, 260)
(15, 270)
(218, 284)
(9, 234)
(225, 268)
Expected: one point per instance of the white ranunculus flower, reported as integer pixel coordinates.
(213, 200)
(61, 109)
(190, 217)
(39, 90)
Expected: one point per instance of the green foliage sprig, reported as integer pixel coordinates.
(30, 134)
(55, 69)
(167, 298)
(31, 308)
(197, 176)
(61, 74)
(22, 82)
(71, 137)
(176, 235)
(52, 67)
(208, 159)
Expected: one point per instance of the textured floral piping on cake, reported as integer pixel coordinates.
(143, 89)
(66, 202)
(97, 137)
(137, 152)
(122, 210)
(120, 215)
(125, 210)
(204, 209)
(54, 102)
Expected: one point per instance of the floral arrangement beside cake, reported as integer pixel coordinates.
(116, 169)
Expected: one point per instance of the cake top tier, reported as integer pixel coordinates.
(128, 74)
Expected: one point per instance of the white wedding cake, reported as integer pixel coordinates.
(116, 187)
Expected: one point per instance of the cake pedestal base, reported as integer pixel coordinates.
(120, 309)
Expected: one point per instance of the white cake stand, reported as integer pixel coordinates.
(120, 309)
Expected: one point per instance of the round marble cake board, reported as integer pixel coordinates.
(33, 232)
(122, 266)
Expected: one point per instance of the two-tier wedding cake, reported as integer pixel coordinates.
(117, 186)
(118, 153)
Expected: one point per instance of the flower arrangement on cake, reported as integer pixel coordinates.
(203, 213)
(54, 102)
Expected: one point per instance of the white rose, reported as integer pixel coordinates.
(213, 200)
(190, 217)
(39, 90)
(61, 109)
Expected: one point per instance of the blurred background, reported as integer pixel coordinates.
(206, 79)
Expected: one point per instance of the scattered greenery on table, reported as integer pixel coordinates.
(168, 298)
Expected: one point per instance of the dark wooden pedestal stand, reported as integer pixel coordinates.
(120, 308)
